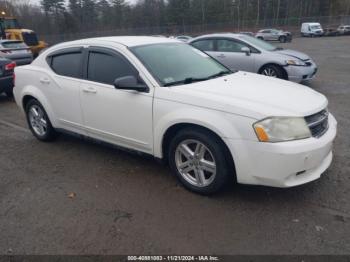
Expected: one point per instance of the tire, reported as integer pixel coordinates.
(272, 71)
(282, 39)
(38, 122)
(9, 94)
(261, 38)
(210, 168)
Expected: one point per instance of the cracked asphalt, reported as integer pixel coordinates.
(78, 197)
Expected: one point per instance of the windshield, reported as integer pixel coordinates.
(9, 23)
(176, 64)
(258, 43)
(315, 27)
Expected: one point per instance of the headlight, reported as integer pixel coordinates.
(280, 129)
(295, 62)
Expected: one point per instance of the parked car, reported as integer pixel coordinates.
(6, 76)
(274, 35)
(183, 38)
(245, 53)
(330, 32)
(344, 30)
(165, 98)
(16, 51)
(247, 33)
(311, 29)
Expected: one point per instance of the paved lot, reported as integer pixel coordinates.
(78, 197)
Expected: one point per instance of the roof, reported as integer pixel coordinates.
(128, 41)
(218, 35)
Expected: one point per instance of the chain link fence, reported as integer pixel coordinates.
(292, 24)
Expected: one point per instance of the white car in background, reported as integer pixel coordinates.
(167, 99)
(311, 29)
(246, 53)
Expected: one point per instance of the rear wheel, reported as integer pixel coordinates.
(199, 160)
(38, 121)
(272, 71)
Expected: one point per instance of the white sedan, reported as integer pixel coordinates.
(167, 99)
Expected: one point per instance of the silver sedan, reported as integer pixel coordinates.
(16, 51)
(246, 53)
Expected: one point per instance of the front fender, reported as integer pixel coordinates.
(223, 124)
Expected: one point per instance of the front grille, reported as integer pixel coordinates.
(318, 123)
(30, 38)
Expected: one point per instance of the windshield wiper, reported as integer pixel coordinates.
(191, 80)
(221, 73)
(186, 81)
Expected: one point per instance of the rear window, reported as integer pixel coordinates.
(67, 64)
(14, 44)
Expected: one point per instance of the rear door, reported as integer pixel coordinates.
(61, 86)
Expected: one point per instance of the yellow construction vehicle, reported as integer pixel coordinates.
(10, 29)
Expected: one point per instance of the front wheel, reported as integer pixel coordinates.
(199, 160)
(38, 121)
(272, 71)
(283, 39)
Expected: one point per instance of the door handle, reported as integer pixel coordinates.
(221, 56)
(44, 80)
(90, 90)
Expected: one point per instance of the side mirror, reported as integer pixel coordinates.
(246, 50)
(130, 83)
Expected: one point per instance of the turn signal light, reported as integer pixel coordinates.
(260, 132)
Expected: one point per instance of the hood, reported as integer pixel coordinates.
(294, 54)
(249, 95)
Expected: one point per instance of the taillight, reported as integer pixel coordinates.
(10, 66)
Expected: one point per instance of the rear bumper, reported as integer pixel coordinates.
(6, 84)
(286, 164)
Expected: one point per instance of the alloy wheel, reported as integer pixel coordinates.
(269, 72)
(195, 163)
(37, 120)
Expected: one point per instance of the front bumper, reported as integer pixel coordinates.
(301, 73)
(284, 164)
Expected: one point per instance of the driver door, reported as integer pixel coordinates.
(229, 53)
(121, 117)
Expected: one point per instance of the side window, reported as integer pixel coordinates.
(225, 45)
(105, 68)
(266, 31)
(67, 64)
(204, 45)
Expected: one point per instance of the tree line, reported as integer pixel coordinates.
(73, 16)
